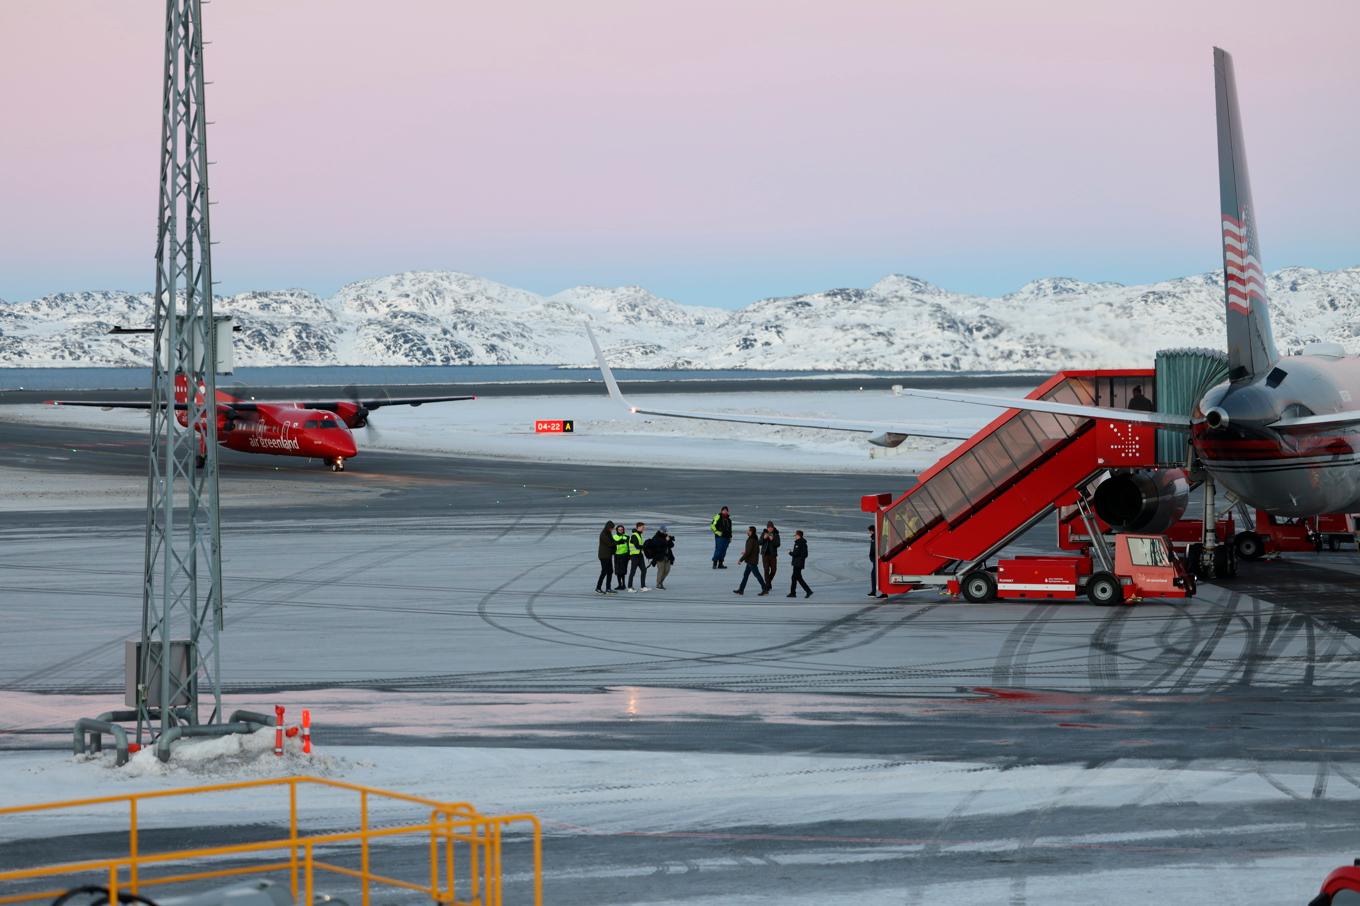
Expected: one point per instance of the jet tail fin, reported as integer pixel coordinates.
(1251, 344)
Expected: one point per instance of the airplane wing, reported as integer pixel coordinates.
(329, 405)
(1162, 419)
(144, 404)
(885, 433)
(1327, 420)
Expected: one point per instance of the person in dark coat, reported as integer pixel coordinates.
(663, 554)
(751, 557)
(1140, 402)
(769, 552)
(603, 585)
(722, 536)
(799, 555)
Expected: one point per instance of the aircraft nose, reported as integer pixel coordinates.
(345, 446)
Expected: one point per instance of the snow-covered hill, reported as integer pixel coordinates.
(899, 323)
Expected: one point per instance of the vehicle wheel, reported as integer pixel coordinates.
(979, 586)
(1222, 568)
(1250, 546)
(1104, 589)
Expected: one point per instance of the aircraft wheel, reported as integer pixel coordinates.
(1104, 589)
(979, 586)
(337, 465)
(1223, 567)
(1250, 546)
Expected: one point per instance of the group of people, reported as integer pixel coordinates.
(760, 554)
(625, 555)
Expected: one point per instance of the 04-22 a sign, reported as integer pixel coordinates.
(555, 426)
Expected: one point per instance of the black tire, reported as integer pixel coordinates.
(1223, 565)
(1104, 589)
(979, 586)
(1250, 546)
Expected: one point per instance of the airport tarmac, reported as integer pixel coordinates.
(692, 746)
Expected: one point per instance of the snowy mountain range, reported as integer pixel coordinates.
(899, 324)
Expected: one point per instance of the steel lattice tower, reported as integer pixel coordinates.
(182, 581)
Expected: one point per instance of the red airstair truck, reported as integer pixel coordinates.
(992, 488)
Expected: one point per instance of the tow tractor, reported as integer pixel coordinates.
(1137, 567)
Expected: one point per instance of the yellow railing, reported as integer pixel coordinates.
(449, 828)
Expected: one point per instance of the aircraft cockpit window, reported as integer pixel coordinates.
(311, 423)
(329, 423)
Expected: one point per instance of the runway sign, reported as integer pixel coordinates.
(555, 426)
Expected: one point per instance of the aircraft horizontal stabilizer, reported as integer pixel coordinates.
(884, 434)
(1162, 419)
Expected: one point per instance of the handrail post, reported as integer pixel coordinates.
(447, 818)
(434, 856)
(308, 901)
(113, 885)
(538, 863)
(132, 844)
(363, 843)
(293, 838)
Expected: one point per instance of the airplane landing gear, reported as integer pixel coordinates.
(337, 464)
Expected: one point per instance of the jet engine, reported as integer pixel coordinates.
(1147, 500)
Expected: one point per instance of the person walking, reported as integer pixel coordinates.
(604, 585)
(799, 555)
(751, 557)
(769, 552)
(637, 562)
(660, 548)
(620, 555)
(722, 537)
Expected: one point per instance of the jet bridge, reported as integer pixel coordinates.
(1006, 478)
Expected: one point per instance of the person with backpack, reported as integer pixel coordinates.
(604, 585)
(799, 555)
(637, 562)
(769, 552)
(620, 555)
(722, 537)
(660, 550)
(751, 557)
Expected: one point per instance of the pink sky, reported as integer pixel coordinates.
(715, 152)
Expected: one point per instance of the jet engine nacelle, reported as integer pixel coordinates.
(887, 439)
(1147, 500)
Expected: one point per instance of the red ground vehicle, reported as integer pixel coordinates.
(1335, 529)
(1342, 887)
(1143, 566)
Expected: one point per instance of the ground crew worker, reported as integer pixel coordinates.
(620, 555)
(751, 557)
(635, 558)
(722, 536)
(873, 561)
(603, 585)
(799, 555)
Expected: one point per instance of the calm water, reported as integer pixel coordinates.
(339, 375)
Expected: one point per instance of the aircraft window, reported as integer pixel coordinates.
(328, 423)
(1276, 377)
(1147, 552)
(311, 423)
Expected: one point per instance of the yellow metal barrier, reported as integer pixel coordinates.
(449, 827)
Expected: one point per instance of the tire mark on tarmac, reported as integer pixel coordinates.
(1009, 665)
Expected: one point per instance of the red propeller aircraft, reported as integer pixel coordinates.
(318, 430)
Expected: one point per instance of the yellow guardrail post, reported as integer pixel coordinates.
(447, 818)
(293, 835)
(308, 901)
(434, 857)
(113, 885)
(132, 845)
(363, 843)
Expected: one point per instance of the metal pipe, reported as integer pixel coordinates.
(97, 728)
(167, 739)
